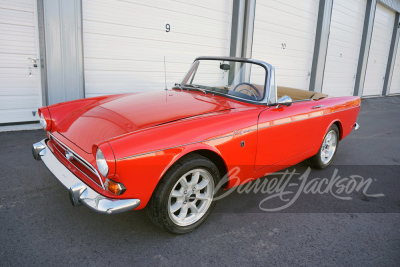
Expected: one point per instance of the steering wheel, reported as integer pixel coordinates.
(249, 84)
(244, 89)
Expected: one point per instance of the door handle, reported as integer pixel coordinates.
(319, 106)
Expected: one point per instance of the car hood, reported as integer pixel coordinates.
(115, 116)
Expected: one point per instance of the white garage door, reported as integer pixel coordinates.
(395, 84)
(284, 36)
(20, 92)
(379, 51)
(125, 41)
(345, 36)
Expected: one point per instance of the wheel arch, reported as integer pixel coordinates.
(340, 127)
(338, 123)
(214, 156)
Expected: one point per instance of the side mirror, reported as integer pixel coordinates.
(284, 100)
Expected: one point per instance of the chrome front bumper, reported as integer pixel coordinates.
(79, 192)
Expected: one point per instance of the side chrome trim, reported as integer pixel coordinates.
(154, 151)
(80, 159)
(206, 140)
(79, 192)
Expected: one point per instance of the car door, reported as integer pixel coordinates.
(287, 132)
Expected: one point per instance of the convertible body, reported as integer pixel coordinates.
(142, 135)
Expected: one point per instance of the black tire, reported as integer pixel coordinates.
(157, 208)
(315, 161)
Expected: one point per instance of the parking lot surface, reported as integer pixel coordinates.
(39, 226)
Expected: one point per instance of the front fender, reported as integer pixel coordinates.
(142, 173)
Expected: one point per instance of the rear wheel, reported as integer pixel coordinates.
(184, 197)
(327, 151)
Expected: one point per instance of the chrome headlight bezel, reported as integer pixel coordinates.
(101, 162)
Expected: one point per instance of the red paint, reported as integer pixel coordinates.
(142, 135)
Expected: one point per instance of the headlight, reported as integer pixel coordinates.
(101, 163)
(43, 122)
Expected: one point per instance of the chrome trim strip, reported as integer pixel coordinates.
(154, 151)
(306, 118)
(80, 159)
(79, 192)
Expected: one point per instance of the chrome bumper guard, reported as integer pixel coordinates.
(356, 126)
(79, 192)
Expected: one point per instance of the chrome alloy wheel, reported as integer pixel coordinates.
(191, 196)
(329, 147)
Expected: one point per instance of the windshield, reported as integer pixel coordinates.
(239, 79)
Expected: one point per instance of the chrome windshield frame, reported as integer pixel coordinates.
(267, 86)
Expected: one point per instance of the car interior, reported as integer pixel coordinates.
(293, 93)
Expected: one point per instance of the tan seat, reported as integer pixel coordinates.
(298, 94)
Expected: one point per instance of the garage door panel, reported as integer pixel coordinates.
(145, 52)
(153, 21)
(284, 36)
(293, 44)
(339, 67)
(192, 28)
(15, 17)
(343, 50)
(206, 4)
(26, 6)
(344, 44)
(144, 35)
(15, 115)
(296, 8)
(279, 20)
(125, 42)
(147, 11)
(346, 17)
(395, 84)
(379, 51)
(156, 44)
(345, 28)
(19, 102)
(134, 66)
(270, 32)
(20, 93)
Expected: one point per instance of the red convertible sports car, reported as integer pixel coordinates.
(167, 150)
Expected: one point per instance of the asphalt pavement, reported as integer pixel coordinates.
(357, 227)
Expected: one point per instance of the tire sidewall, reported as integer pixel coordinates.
(172, 178)
(324, 165)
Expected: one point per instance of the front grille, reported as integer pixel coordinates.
(82, 165)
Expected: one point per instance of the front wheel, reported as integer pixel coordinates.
(327, 151)
(184, 197)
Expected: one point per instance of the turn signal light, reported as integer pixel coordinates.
(114, 187)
